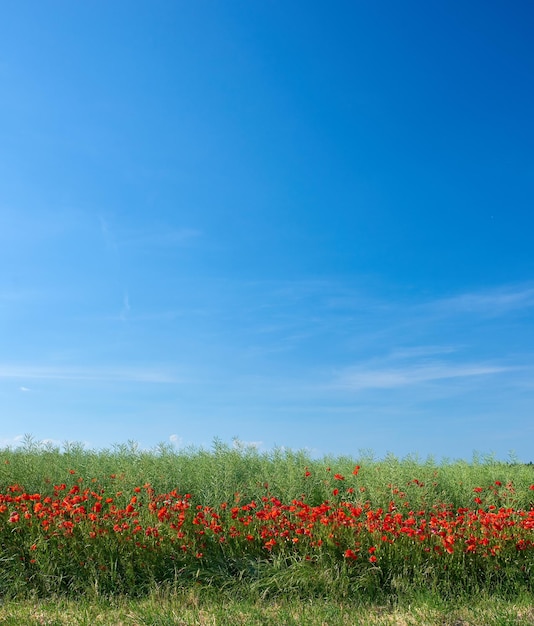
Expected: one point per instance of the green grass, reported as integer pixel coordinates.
(215, 475)
(210, 609)
(241, 583)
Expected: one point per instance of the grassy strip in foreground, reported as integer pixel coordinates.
(213, 610)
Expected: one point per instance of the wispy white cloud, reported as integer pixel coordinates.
(421, 351)
(19, 440)
(156, 235)
(118, 374)
(11, 442)
(107, 235)
(360, 378)
(243, 445)
(161, 237)
(175, 440)
(56, 443)
(24, 389)
(125, 306)
(489, 302)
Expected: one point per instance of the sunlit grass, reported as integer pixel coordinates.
(235, 531)
(193, 608)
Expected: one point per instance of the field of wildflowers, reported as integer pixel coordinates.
(126, 522)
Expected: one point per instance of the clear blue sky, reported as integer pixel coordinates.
(300, 224)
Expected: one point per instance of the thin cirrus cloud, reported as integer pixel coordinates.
(125, 311)
(107, 235)
(116, 237)
(165, 237)
(120, 374)
(359, 378)
(491, 302)
(421, 351)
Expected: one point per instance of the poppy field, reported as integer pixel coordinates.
(126, 522)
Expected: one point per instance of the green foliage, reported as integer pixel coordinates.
(215, 475)
(59, 562)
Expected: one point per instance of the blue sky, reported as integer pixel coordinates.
(297, 224)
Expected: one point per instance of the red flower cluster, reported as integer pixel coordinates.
(351, 530)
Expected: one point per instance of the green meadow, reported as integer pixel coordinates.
(231, 535)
